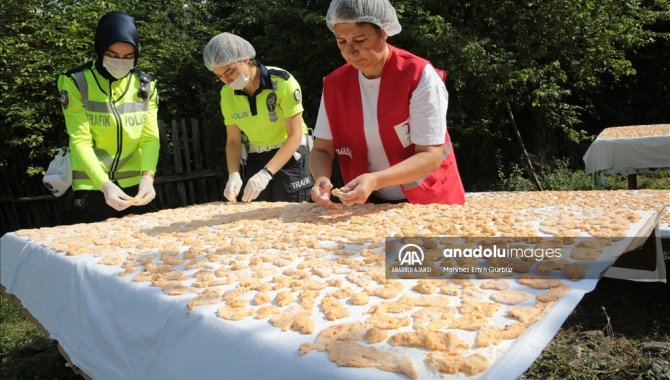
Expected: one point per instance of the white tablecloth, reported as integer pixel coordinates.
(113, 328)
(623, 155)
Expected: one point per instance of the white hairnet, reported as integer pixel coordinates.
(378, 12)
(226, 48)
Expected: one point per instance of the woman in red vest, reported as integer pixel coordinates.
(383, 116)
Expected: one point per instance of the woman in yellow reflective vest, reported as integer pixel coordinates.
(110, 111)
(265, 103)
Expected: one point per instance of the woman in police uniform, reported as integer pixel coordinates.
(110, 111)
(266, 104)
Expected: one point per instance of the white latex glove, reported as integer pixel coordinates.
(115, 197)
(146, 192)
(256, 184)
(233, 187)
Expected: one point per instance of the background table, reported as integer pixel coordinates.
(628, 150)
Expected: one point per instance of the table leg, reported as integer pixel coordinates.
(632, 181)
(599, 181)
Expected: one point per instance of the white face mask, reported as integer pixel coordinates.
(240, 82)
(117, 67)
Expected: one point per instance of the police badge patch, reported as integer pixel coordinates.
(297, 95)
(271, 103)
(64, 99)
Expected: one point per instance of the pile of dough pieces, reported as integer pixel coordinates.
(306, 269)
(636, 131)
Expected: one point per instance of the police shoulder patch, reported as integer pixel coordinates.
(297, 95)
(64, 99)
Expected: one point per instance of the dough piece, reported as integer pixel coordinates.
(111, 260)
(303, 324)
(585, 253)
(508, 297)
(305, 348)
(336, 192)
(596, 243)
(390, 307)
(235, 314)
(574, 271)
(165, 278)
(359, 279)
(360, 298)
(479, 309)
(427, 286)
(530, 315)
(387, 322)
(177, 289)
(237, 302)
(536, 282)
(553, 294)
(495, 284)
(314, 285)
(287, 318)
(436, 300)
(76, 250)
(342, 293)
(284, 298)
(345, 331)
(235, 293)
(266, 311)
(469, 323)
(551, 265)
(432, 340)
(261, 298)
(493, 335)
(390, 290)
(323, 272)
(471, 293)
(171, 259)
(209, 284)
(449, 289)
(333, 309)
(308, 298)
(351, 354)
(376, 335)
(452, 363)
(202, 300)
(433, 318)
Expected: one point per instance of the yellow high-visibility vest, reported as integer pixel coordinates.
(112, 126)
(262, 117)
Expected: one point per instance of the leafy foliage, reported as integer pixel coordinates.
(567, 68)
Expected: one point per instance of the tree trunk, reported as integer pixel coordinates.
(517, 135)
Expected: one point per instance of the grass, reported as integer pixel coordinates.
(620, 330)
(562, 178)
(25, 352)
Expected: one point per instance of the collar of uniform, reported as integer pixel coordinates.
(266, 82)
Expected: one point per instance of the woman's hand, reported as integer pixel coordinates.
(359, 189)
(321, 193)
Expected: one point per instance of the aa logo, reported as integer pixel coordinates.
(410, 254)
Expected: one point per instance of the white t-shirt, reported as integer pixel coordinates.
(427, 120)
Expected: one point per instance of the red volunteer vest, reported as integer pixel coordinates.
(400, 76)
